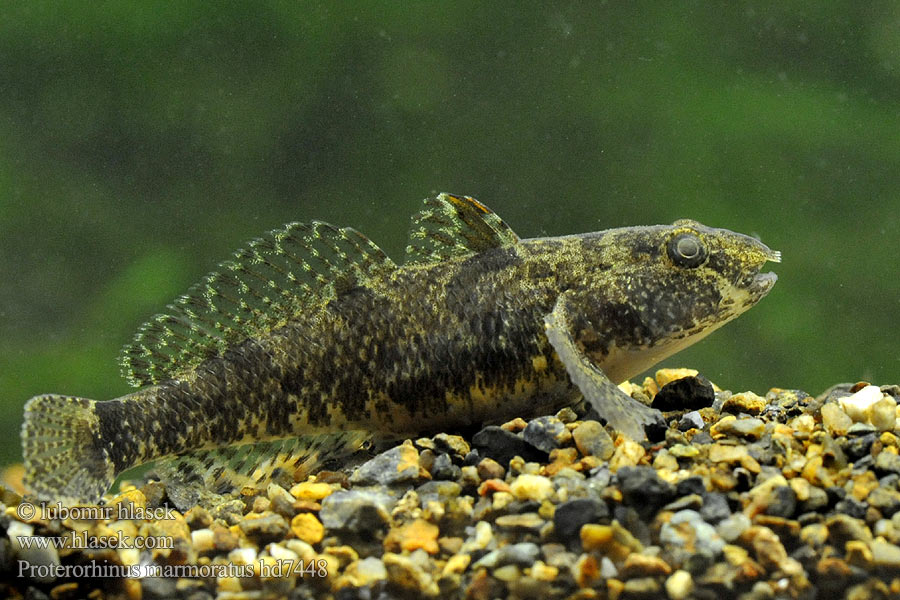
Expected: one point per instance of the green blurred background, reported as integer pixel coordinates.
(140, 143)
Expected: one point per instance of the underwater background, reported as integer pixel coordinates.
(140, 143)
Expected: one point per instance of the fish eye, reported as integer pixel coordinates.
(686, 250)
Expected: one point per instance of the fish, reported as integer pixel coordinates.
(310, 344)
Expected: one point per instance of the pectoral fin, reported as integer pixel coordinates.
(626, 415)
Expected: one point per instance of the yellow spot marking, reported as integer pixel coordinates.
(539, 363)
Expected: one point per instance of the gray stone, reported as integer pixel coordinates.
(546, 433)
(781, 502)
(390, 467)
(643, 488)
(522, 554)
(691, 420)
(443, 468)
(357, 510)
(715, 507)
(571, 515)
(268, 528)
(503, 445)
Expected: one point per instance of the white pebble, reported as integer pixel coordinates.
(883, 414)
(858, 404)
(679, 585)
(531, 487)
(242, 556)
(203, 540)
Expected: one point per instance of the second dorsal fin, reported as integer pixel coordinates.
(265, 284)
(453, 226)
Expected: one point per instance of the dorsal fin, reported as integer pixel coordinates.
(454, 226)
(202, 477)
(265, 284)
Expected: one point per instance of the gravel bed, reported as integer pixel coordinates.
(743, 496)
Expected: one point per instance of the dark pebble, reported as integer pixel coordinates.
(852, 507)
(687, 393)
(546, 433)
(572, 514)
(443, 468)
(643, 488)
(502, 446)
(715, 507)
(472, 458)
(835, 494)
(691, 485)
(782, 502)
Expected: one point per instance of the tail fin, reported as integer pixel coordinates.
(65, 459)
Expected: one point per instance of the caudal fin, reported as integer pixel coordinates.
(65, 459)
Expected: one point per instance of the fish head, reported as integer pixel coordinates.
(663, 288)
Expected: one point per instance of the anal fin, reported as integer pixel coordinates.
(206, 476)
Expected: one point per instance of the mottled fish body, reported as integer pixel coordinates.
(311, 341)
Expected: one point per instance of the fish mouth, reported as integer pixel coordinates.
(762, 283)
(759, 284)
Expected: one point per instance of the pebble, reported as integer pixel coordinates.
(686, 529)
(503, 445)
(444, 469)
(745, 402)
(748, 427)
(531, 487)
(308, 528)
(522, 554)
(836, 421)
(858, 404)
(363, 573)
(592, 439)
(662, 377)
(642, 486)
(397, 466)
(686, 393)
(357, 510)
(408, 575)
(691, 420)
(419, 534)
(887, 463)
(264, 528)
(528, 521)
(546, 433)
(489, 468)
(571, 515)
(679, 585)
(309, 490)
